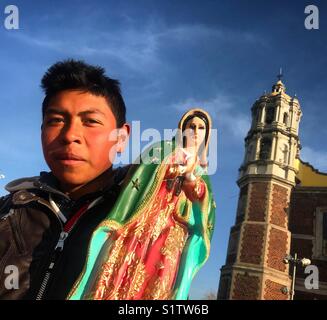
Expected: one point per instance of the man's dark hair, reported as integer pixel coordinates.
(78, 75)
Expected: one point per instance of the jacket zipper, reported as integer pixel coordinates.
(58, 249)
(46, 278)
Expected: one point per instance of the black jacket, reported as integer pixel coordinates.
(30, 229)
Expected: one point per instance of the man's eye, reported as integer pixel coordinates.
(92, 121)
(54, 120)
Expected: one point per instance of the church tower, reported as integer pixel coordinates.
(260, 238)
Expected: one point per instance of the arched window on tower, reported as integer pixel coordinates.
(270, 114)
(285, 119)
(265, 148)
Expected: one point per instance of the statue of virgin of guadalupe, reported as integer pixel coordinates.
(157, 236)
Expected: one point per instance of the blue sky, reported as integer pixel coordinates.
(169, 56)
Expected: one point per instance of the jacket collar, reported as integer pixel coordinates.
(48, 183)
(45, 182)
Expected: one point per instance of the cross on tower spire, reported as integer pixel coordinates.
(279, 86)
(280, 75)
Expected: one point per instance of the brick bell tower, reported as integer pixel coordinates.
(260, 238)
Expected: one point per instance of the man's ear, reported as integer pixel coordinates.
(122, 138)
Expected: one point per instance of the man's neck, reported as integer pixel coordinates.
(97, 184)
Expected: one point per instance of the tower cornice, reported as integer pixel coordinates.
(270, 130)
(262, 177)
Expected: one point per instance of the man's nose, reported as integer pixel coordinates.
(72, 132)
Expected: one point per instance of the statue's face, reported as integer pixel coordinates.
(195, 131)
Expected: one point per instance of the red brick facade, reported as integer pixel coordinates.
(279, 206)
(277, 249)
(246, 287)
(273, 291)
(258, 201)
(252, 244)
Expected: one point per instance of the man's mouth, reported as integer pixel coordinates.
(66, 158)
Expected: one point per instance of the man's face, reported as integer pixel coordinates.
(75, 137)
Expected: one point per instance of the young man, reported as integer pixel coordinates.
(46, 222)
